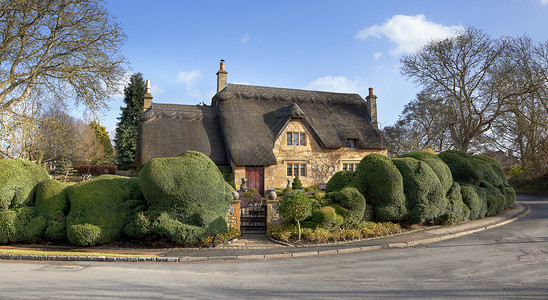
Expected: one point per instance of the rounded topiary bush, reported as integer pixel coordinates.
(85, 234)
(191, 190)
(327, 218)
(287, 190)
(52, 202)
(107, 202)
(18, 179)
(476, 205)
(380, 182)
(354, 203)
(496, 172)
(463, 168)
(494, 197)
(29, 226)
(437, 165)
(7, 226)
(425, 196)
(339, 181)
(296, 184)
(456, 211)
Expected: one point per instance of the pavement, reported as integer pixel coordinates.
(260, 247)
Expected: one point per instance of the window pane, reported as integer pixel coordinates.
(345, 167)
(296, 169)
(289, 168)
(296, 139)
(289, 139)
(303, 139)
(303, 170)
(351, 167)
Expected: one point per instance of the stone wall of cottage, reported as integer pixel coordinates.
(311, 155)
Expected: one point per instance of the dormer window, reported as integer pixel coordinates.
(351, 143)
(296, 139)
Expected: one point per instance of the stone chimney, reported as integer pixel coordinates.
(148, 97)
(221, 77)
(372, 107)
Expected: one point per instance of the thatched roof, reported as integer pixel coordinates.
(253, 117)
(167, 130)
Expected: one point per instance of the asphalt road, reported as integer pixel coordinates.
(510, 261)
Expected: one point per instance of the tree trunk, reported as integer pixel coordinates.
(299, 228)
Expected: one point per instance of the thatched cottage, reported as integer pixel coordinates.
(268, 135)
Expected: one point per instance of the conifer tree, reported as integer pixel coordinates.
(102, 135)
(126, 131)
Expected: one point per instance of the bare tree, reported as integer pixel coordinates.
(420, 126)
(472, 75)
(69, 49)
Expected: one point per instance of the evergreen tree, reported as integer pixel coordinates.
(102, 135)
(126, 131)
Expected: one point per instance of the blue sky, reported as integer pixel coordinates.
(344, 46)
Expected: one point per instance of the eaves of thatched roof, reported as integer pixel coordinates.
(167, 130)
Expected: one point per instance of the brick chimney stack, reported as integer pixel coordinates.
(221, 77)
(372, 107)
(148, 97)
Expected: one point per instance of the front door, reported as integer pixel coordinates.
(255, 178)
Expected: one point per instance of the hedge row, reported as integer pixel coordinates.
(96, 170)
(184, 198)
(424, 188)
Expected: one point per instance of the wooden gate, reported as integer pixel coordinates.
(255, 178)
(253, 218)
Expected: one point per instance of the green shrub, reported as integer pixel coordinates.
(106, 202)
(309, 189)
(52, 197)
(510, 195)
(437, 165)
(184, 186)
(456, 211)
(141, 224)
(327, 218)
(339, 181)
(52, 202)
(425, 195)
(297, 185)
(84, 234)
(496, 171)
(18, 180)
(287, 190)
(249, 195)
(7, 226)
(350, 199)
(296, 206)
(380, 182)
(228, 175)
(29, 226)
(463, 168)
(476, 205)
(253, 191)
(493, 196)
(177, 231)
(279, 192)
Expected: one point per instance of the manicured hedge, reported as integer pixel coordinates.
(52, 202)
(339, 181)
(425, 196)
(437, 165)
(353, 203)
(190, 193)
(381, 184)
(106, 202)
(22, 225)
(228, 175)
(327, 218)
(18, 179)
(485, 176)
(456, 211)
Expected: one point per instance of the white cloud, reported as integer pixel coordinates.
(409, 33)
(543, 2)
(245, 38)
(189, 80)
(334, 84)
(155, 89)
(377, 55)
